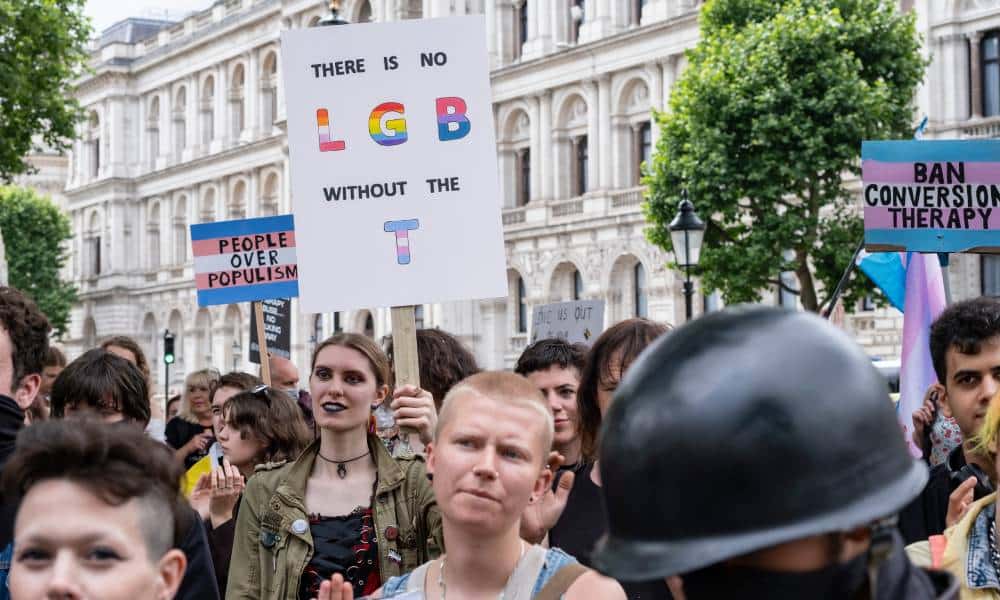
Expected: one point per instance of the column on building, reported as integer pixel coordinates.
(534, 106)
(975, 75)
(491, 32)
(656, 97)
(546, 158)
(506, 32)
(192, 122)
(251, 94)
(598, 24)
(594, 153)
(116, 145)
(953, 66)
(540, 40)
(604, 156)
(655, 10)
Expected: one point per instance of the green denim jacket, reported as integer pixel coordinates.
(268, 557)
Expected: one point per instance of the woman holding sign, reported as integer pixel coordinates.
(344, 506)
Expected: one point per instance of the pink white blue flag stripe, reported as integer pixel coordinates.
(925, 299)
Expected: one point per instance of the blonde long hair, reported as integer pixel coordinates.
(207, 377)
(986, 440)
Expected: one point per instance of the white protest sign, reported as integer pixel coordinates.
(576, 322)
(393, 164)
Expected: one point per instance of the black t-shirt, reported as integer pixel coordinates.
(179, 432)
(583, 522)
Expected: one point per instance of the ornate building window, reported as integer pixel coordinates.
(577, 285)
(577, 16)
(635, 14)
(153, 131)
(990, 274)
(207, 111)
(180, 123)
(523, 176)
(990, 56)
(640, 302)
(581, 162)
(522, 28)
(94, 145)
(643, 148)
(522, 306)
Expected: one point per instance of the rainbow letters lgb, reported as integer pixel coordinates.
(387, 124)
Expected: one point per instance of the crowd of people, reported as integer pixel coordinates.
(752, 453)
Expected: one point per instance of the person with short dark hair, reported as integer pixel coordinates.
(965, 351)
(173, 407)
(55, 362)
(24, 344)
(97, 514)
(105, 384)
(443, 362)
(554, 366)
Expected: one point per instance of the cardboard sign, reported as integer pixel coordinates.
(277, 329)
(393, 164)
(931, 196)
(245, 260)
(576, 322)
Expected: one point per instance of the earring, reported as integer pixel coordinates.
(371, 424)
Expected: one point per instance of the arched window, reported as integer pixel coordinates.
(94, 135)
(180, 231)
(153, 131)
(272, 195)
(370, 326)
(92, 247)
(990, 57)
(522, 28)
(581, 165)
(153, 236)
(577, 285)
(640, 302)
(337, 327)
(269, 92)
(524, 176)
(643, 148)
(236, 94)
(364, 12)
(180, 123)
(418, 316)
(577, 16)
(208, 205)
(238, 204)
(208, 111)
(635, 16)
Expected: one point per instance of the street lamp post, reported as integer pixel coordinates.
(686, 233)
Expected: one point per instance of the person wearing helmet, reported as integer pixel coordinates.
(755, 453)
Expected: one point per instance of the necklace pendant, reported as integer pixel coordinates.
(341, 470)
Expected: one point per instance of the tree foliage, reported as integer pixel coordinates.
(42, 48)
(34, 230)
(764, 124)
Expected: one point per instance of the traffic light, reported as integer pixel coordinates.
(168, 347)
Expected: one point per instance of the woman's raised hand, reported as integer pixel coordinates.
(414, 408)
(335, 589)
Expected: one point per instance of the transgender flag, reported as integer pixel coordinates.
(924, 302)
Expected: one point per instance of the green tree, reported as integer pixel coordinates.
(764, 124)
(34, 230)
(42, 48)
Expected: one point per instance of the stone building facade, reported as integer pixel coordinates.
(186, 125)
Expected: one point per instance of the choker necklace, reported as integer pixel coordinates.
(342, 464)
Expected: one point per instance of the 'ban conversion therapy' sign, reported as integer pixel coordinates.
(931, 196)
(393, 164)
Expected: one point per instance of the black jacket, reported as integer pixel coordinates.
(925, 515)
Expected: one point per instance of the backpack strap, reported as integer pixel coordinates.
(561, 582)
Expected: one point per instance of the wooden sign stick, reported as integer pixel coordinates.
(404, 350)
(265, 366)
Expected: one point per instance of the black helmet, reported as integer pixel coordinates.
(742, 430)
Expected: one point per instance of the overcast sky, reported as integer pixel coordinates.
(104, 13)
